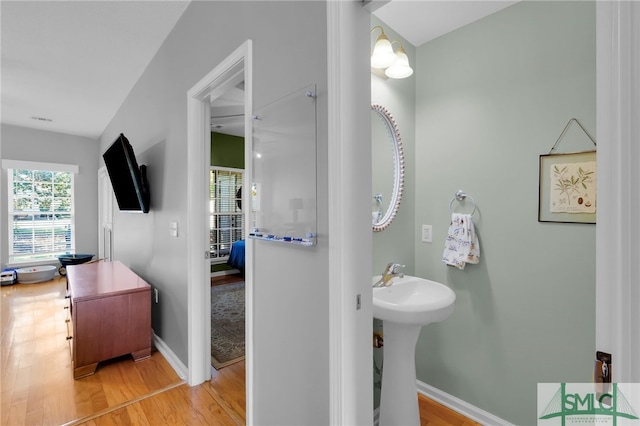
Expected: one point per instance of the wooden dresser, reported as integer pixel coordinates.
(110, 309)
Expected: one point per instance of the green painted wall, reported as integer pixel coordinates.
(227, 150)
(489, 99)
(398, 97)
(394, 244)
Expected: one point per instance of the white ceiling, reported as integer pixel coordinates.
(227, 111)
(420, 21)
(74, 62)
(67, 66)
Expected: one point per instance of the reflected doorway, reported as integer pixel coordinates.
(226, 226)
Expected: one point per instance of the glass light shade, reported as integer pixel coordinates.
(400, 68)
(382, 55)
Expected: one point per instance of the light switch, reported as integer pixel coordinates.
(173, 229)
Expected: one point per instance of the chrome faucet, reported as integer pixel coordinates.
(389, 274)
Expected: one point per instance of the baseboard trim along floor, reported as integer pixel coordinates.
(456, 404)
(181, 370)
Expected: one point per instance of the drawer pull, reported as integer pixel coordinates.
(67, 320)
(66, 307)
(69, 337)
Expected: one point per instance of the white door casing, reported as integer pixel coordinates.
(238, 63)
(618, 229)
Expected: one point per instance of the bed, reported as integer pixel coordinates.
(236, 257)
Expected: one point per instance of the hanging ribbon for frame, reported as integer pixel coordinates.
(565, 131)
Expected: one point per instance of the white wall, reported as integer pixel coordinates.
(291, 284)
(20, 143)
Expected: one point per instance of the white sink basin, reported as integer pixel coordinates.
(404, 307)
(412, 300)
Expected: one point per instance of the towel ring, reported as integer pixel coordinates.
(460, 195)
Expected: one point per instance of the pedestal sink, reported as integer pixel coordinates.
(404, 307)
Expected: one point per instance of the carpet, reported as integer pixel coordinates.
(227, 324)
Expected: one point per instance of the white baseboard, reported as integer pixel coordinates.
(181, 370)
(470, 411)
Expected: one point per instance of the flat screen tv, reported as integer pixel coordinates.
(128, 180)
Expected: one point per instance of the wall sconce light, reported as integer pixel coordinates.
(400, 68)
(383, 56)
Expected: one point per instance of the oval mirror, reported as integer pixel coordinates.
(388, 167)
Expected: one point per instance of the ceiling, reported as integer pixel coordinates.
(420, 21)
(67, 66)
(227, 111)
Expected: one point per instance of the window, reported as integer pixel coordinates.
(41, 214)
(225, 211)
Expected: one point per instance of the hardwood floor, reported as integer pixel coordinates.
(226, 279)
(434, 414)
(218, 402)
(37, 385)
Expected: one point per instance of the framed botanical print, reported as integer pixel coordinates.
(567, 191)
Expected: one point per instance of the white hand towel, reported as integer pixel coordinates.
(461, 246)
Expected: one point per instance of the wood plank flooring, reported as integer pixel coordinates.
(434, 414)
(226, 279)
(37, 385)
(218, 402)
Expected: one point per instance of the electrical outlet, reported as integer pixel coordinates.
(427, 234)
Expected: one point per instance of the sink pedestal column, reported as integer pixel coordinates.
(399, 396)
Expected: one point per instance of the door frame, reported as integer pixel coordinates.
(618, 232)
(349, 164)
(198, 265)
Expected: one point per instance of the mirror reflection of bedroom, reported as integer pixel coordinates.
(226, 231)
